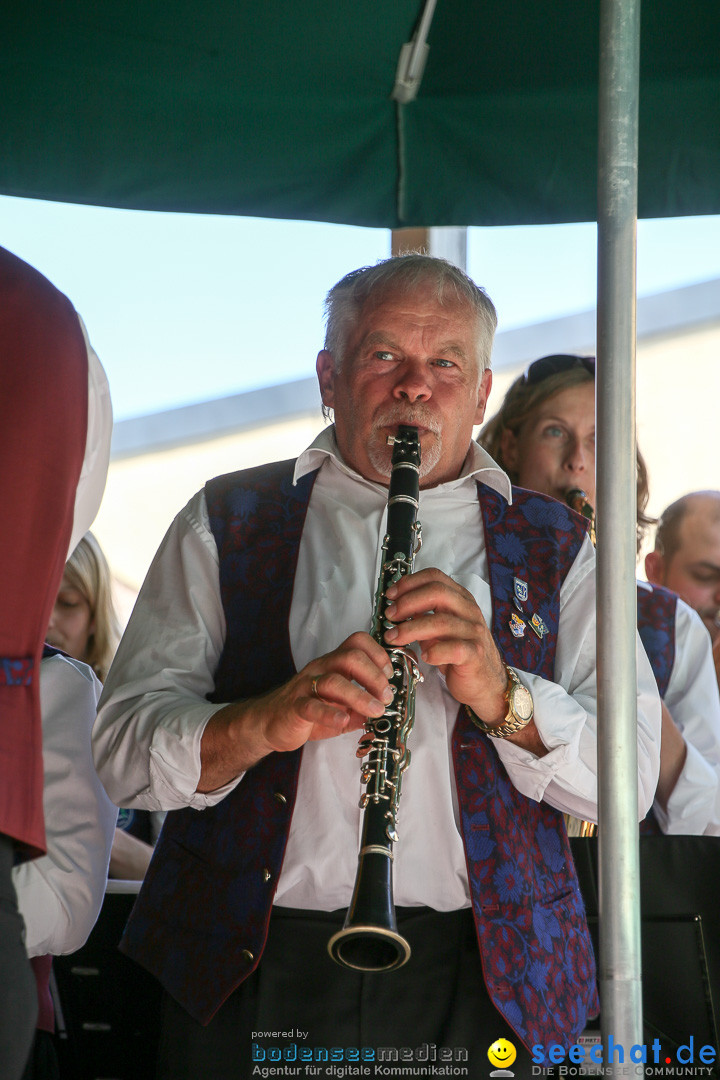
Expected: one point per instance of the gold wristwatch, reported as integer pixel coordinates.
(520, 710)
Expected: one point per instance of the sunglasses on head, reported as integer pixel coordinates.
(546, 366)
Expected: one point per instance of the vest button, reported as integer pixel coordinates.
(279, 796)
(247, 955)
(266, 874)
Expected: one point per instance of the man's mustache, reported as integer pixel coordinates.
(414, 416)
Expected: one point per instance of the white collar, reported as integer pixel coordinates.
(478, 465)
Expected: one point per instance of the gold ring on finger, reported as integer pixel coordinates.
(313, 686)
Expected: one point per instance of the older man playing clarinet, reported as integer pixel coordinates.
(247, 672)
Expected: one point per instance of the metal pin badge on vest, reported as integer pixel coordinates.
(516, 624)
(520, 591)
(538, 626)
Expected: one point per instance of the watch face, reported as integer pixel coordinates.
(522, 702)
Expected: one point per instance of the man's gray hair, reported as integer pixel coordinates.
(402, 274)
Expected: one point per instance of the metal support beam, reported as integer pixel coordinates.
(413, 57)
(620, 953)
(445, 241)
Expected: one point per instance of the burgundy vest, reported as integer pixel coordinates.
(201, 919)
(43, 429)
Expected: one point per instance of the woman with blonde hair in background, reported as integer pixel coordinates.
(543, 436)
(84, 625)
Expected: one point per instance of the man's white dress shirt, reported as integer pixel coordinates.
(153, 710)
(693, 700)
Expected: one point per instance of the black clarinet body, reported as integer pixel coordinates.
(369, 940)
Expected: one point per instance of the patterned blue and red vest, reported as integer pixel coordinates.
(656, 610)
(201, 920)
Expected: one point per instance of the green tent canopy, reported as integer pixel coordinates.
(284, 110)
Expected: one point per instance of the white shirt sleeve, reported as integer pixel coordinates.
(60, 894)
(566, 711)
(154, 708)
(694, 703)
(91, 482)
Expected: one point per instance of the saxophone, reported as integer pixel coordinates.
(369, 939)
(578, 500)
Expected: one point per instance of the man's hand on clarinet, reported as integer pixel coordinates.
(331, 695)
(446, 622)
(451, 632)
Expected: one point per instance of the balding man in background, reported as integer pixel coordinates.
(686, 558)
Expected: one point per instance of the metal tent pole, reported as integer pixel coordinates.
(620, 956)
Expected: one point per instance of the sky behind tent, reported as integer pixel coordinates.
(184, 308)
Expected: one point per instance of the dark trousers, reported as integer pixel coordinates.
(299, 1001)
(43, 1063)
(18, 995)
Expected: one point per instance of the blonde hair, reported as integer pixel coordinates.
(524, 397)
(519, 404)
(87, 571)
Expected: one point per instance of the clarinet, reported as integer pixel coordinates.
(369, 939)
